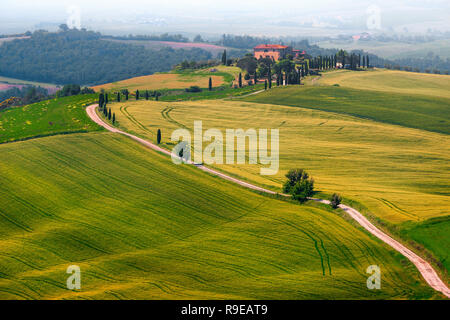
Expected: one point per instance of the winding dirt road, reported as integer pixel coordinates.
(427, 271)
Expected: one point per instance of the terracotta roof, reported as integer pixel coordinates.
(271, 46)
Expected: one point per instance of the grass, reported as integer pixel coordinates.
(142, 228)
(162, 81)
(414, 111)
(400, 174)
(391, 81)
(57, 116)
(433, 234)
(174, 80)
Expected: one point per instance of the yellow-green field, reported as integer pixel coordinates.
(395, 167)
(175, 80)
(399, 173)
(390, 81)
(162, 81)
(141, 227)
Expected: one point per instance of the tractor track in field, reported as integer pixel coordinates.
(425, 269)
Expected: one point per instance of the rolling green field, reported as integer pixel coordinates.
(421, 112)
(432, 234)
(57, 116)
(401, 174)
(390, 81)
(175, 80)
(376, 148)
(140, 227)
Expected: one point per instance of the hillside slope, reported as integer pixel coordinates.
(56, 116)
(141, 227)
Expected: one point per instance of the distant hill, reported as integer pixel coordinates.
(80, 56)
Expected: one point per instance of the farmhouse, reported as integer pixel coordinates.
(276, 52)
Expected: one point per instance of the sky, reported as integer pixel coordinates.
(231, 16)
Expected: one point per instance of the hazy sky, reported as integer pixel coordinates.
(179, 15)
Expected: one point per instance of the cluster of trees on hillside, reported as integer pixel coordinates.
(429, 63)
(197, 64)
(80, 56)
(32, 94)
(25, 95)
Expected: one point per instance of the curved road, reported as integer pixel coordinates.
(427, 271)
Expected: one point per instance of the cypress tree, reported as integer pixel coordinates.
(158, 137)
(114, 118)
(106, 98)
(101, 100)
(224, 57)
(210, 84)
(137, 94)
(269, 77)
(146, 94)
(265, 85)
(118, 96)
(126, 94)
(109, 114)
(240, 80)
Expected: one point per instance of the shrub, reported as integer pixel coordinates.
(335, 200)
(193, 89)
(299, 185)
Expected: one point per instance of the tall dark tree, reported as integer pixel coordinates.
(269, 77)
(109, 114)
(137, 94)
(118, 96)
(210, 84)
(255, 78)
(367, 62)
(101, 100)
(106, 98)
(240, 80)
(224, 57)
(265, 85)
(114, 118)
(146, 95)
(158, 136)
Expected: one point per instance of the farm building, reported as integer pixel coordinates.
(276, 51)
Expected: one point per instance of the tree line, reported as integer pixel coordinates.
(80, 56)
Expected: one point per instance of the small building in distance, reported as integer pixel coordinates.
(276, 52)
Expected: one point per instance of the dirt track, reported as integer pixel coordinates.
(427, 271)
